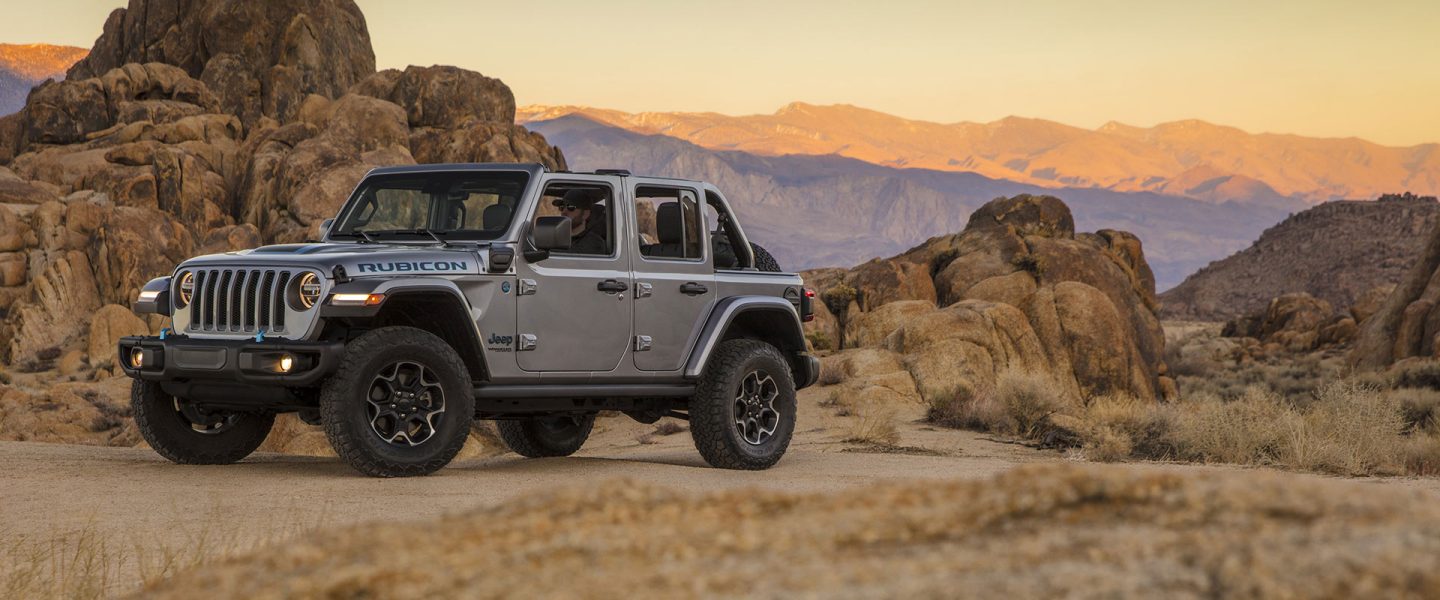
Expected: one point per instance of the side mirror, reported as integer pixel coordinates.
(552, 233)
(325, 228)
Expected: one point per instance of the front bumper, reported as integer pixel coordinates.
(178, 358)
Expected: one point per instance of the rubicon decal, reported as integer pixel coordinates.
(423, 266)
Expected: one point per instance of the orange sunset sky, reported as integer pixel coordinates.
(1319, 68)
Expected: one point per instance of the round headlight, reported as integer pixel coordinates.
(185, 289)
(307, 291)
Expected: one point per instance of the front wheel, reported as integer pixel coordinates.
(189, 434)
(539, 437)
(743, 412)
(400, 404)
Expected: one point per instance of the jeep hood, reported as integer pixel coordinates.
(358, 260)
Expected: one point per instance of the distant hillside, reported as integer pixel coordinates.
(1335, 252)
(816, 211)
(22, 66)
(1184, 158)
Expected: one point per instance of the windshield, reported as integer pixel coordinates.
(423, 206)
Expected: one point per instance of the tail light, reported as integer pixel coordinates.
(807, 305)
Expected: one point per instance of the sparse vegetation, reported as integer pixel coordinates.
(819, 340)
(837, 300)
(874, 425)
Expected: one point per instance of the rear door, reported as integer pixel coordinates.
(572, 310)
(674, 275)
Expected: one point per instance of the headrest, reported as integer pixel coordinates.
(496, 216)
(669, 224)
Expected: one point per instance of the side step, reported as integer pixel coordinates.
(499, 400)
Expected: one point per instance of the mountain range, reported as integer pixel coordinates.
(829, 210)
(1188, 158)
(22, 66)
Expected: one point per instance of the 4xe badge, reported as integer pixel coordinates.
(504, 287)
(500, 343)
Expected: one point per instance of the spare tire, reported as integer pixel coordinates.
(763, 260)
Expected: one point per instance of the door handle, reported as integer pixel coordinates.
(693, 289)
(612, 286)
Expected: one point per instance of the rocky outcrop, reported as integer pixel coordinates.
(1407, 324)
(204, 126)
(1336, 252)
(260, 58)
(1296, 323)
(1018, 288)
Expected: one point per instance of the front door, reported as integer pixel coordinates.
(573, 309)
(674, 276)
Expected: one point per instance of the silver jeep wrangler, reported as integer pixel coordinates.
(441, 294)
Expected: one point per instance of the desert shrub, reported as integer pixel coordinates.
(837, 300)
(874, 425)
(1106, 444)
(1421, 455)
(1420, 409)
(819, 340)
(646, 438)
(1351, 429)
(1417, 374)
(966, 407)
(1117, 427)
(1029, 399)
(836, 372)
(1248, 430)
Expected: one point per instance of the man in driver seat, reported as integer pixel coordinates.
(579, 206)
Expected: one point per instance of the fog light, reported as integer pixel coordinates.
(137, 357)
(286, 363)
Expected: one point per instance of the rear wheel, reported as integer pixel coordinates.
(400, 404)
(743, 412)
(189, 434)
(539, 437)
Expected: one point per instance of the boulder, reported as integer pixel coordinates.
(262, 58)
(1016, 289)
(109, 324)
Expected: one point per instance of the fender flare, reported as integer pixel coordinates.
(399, 288)
(726, 312)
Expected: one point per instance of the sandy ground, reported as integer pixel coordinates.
(131, 498)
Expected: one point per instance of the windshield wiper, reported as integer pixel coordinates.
(433, 234)
(360, 233)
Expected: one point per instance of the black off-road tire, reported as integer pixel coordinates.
(345, 411)
(541, 437)
(764, 261)
(714, 408)
(172, 435)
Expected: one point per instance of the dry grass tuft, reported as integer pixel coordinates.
(1029, 400)
(874, 425)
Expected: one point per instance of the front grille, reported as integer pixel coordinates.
(239, 300)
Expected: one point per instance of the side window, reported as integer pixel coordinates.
(721, 239)
(668, 221)
(592, 223)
